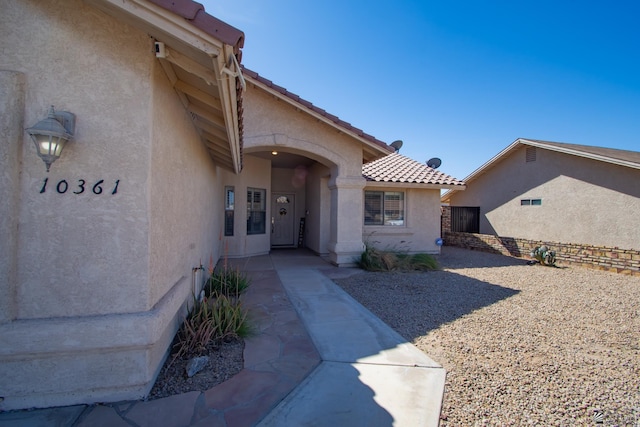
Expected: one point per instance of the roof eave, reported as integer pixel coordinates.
(164, 24)
(579, 153)
(379, 150)
(229, 97)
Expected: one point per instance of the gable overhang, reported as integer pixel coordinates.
(204, 70)
(546, 145)
(372, 148)
(581, 151)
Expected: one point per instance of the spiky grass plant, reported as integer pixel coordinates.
(227, 282)
(216, 318)
(378, 260)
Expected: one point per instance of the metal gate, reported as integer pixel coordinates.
(465, 219)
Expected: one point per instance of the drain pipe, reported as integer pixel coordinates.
(196, 280)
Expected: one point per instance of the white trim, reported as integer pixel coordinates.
(164, 21)
(540, 144)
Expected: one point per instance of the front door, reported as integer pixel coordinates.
(282, 219)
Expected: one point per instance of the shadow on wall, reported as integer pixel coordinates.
(497, 245)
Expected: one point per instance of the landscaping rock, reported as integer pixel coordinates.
(196, 365)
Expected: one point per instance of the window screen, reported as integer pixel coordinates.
(229, 208)
(256, 211)
(383, 208)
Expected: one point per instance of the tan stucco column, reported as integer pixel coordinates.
(11, 133)
(345, 244)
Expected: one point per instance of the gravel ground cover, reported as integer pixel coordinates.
(522, 344)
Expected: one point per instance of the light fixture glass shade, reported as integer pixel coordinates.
(50, 136)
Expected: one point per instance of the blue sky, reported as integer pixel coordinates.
(458, 80)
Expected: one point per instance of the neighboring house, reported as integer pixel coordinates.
(556, 192)
(178, 158)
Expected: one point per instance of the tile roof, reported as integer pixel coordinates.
(401, 169)
(306, 104)
(194, 13)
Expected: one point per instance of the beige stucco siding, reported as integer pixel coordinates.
(185, 198)
(94, 283)
(319, 209)
(69, 243)
(270, 123)
(255, 174)
(421, 227)
(274, 124)
(583, 201)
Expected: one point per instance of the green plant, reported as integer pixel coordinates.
(544, 255)
(378, 260)
(424, 262)
(213, 319)
(226, 282)
(370, 260)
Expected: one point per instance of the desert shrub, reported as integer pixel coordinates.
(424, 262)
(218, 315)
(544, 256)
(215, 318)
(226, 281)
(379, 260)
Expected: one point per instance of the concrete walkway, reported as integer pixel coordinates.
(319, 359)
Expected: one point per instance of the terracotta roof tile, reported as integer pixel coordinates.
(194, 13)
(341, 123)
(401, 169)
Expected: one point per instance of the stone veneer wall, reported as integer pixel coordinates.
(625, 261)
(445, 219)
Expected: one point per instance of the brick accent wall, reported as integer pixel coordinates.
(445, 219)
(624, 261)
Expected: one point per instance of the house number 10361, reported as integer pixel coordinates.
(81, 186)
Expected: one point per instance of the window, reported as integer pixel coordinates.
(530, 202)
(383, 208)
(229, 202)
(256, 211)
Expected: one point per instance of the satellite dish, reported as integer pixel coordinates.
(434, 163)
(397, 145)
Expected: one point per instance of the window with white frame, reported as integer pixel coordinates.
(530, 202)
(256, 211)
(229, 209)
(383, 208)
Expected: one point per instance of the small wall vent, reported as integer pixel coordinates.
(531, 154)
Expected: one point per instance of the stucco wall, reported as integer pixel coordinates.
(583, 201)
(186, 202)
(99, 278)
(273, 124)
(11, 134)
(422, 223)
(319, 207)
(255, 174)
(70, 244)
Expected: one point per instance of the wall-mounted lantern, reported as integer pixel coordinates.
(51, 134)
